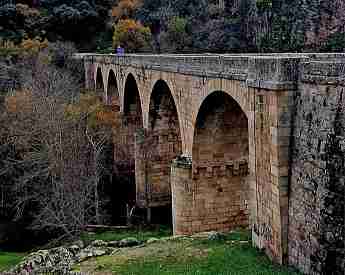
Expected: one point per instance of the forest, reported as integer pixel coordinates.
(186, 26)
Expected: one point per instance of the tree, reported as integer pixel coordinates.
(219, 35)
(132, 35)
(51, 158)
(125, 9)
(176, 38)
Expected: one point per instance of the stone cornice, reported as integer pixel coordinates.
(265, 71)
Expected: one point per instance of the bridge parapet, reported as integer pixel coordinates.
(267, 71)
(288, 101)
(231, 67)
(326, 72)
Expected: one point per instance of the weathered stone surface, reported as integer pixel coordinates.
(316, 214)
(128, 242)
(99, 243)
(89, 252)
(56, 258)
(240, 169)
(216, 236)
(113, 244)
(60, 259)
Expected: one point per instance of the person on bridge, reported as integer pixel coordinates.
(120, 50)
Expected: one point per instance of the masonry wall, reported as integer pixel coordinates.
(296, 200)
(272, 138)
(216, 196)
(156, 149)
(317, 190)
(129, 122)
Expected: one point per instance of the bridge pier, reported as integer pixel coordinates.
(273, 172)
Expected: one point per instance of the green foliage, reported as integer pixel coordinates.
(334, 43)
(9, 259)
(142, 234)
(176, 37)
(220, 35)
(75, 20)
(178, 25)
(104, 42)
(8, 48)
(232, 255)
(263, 5)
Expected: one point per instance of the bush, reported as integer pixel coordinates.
(132, 35)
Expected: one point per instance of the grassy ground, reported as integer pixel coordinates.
(9, 259)
(234, 255)
(140, 234)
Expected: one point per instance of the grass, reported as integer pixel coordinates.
(9, 259)
(140, 234)
(187, 256)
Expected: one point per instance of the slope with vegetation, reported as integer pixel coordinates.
(180, 26)
(202, 254)
(53, 142)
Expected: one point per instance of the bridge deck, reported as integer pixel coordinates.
(275, 70)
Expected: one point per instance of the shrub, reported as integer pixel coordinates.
(132, 35)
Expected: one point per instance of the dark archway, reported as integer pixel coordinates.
(99, 83)
(163, 145)
(124, 191)
(113, 98)
(220, 163)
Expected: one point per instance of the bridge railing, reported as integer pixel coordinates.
(232, 66)
(271, 71)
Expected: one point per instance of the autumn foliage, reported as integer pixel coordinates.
(96, 113)
(125, 9)
(132, 35)
(25, 48)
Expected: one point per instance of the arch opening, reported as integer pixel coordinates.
(220, 164)
(99, 83)
(113, 98)
(123, 191)
(162, 145)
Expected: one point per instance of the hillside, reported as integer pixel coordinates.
(182, 26)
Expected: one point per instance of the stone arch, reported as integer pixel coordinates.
(163, 144)
(99, 83)
(112, 91)
(220, 163)
(146, 109)
(131, 76)
(124, 139)
(234, 89)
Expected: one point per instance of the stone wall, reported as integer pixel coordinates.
(215, 197)
(296, 211)
(158, 147)
(317, 188)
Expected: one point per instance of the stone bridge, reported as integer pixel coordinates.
(234, 141)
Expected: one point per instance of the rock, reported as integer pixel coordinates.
(174, 238)
(128, 242)
(59, 257)
(89, 252)
(79, 243)
(114, 244)
(216, 236)
(99, 243)
(74, 249)
(152, 240)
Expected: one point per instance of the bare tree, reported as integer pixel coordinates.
(56, 163)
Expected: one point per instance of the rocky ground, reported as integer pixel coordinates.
(59, 260)
(202, 254)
